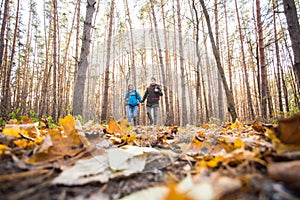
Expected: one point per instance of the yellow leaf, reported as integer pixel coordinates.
(113, 127)
(68, 124)
(66, 142)
(2, 148)
(125, 125)
(174, 193)
(238, 143)
(12, 131)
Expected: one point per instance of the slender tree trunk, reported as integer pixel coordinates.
(78, 97)
(77, 39)
(198, 74)
(167, 86)
(278, 61)
(181, 60)
(3, 28)
(208, 73)
(262, 62)
(161, 64)
(249, 98)
(229, 96)
(294, 31)
(7, 96)
(107, 68)
(55, 63)
(220, 86)
(228, 49)
(133, 67)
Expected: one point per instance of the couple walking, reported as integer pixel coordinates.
(152, 95)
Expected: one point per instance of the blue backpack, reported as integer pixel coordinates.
(132, 98)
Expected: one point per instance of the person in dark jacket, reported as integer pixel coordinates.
(132, 99)
(152, 94)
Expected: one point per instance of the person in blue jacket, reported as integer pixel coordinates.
(132, 97)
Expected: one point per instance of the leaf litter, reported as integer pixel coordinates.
(119, 161)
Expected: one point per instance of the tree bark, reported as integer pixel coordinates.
(278, 61)
(78, 97)
(161, 63)
(249, 98)
(229, 96)
(262, 62)
(107, 68)
(181, 60)
(294, 31)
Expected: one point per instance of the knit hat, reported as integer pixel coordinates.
(130, 85)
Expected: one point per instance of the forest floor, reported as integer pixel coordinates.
(118, 161)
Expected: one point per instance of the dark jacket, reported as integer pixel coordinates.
(152, 96)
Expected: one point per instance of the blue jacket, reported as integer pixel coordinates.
(132, 98)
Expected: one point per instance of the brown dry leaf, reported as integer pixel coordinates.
(289, 130)
(287, 172)
(113, 128)
(65, 142)
(125, 125)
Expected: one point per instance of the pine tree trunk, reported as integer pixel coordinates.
(278, 61)
(3, 28)
(229, 96)
(7, 92)
(133, 67)
(78, 97)
(199, 115)
(107, 68)
(181, 60)
(249, 98)
(262, 62)
(294, 31)
(167, 85)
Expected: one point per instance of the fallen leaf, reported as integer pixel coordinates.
(289, 130)
(287, 172)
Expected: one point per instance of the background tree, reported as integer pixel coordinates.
(78, 98)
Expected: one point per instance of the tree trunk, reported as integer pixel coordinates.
(161, 64)
(220, 86)
(181, 60)
(133, 67)
(229, 96)
(278, 61)
(3, 28)
(167, 86)
(294, 31)
(106, 79)
(209, 100)
(228, 49)
(55, 63)
(249, 98)
(7, 97)
(78, 97)
(262, 62)
(199, 116)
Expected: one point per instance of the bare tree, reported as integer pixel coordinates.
(229, 96)
(107, 68)
(249, 98)
(294, 31)
(181, 60)
(262, 62)
(78, 98)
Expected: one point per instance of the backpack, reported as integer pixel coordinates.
(130, 101)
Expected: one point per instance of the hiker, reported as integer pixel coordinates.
(152, 94)
(132, 99)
